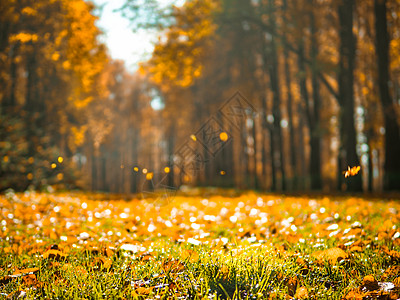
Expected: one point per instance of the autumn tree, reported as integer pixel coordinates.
(53, 59)
(391, 120)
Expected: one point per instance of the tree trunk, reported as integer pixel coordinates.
(306, 111)
(289, 97)
(301, 153)
(346, 94)
(276, 111)
(315, 132)
(292, 145)
(13, 76)
(392, 132)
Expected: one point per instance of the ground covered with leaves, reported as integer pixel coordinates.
(238, 246)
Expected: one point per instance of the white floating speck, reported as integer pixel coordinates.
(84, 235)
(151, 228)
(195, 226)
(193, 241)
(332, 227)
(356, 224)
(130, 247)
(123, 215)
(252, 239)
(396, 235)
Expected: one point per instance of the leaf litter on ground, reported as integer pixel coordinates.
(219, 246)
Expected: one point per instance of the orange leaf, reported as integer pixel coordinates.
(301, 293)
(332, 255)
(54, 254)
(351, 171)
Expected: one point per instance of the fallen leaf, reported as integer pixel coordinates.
(391, 272)
(353, 295)
(369, 283)
(292, 286)
(55, 255)
(332, 255)
(301, 293)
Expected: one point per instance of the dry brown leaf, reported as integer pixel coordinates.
(353, 295)
(369, 283)
(332, 255)
(102, 263)
(394, 255)
(144, 290)
(292, 286)
(356, 249)
(29, 279)
(54, 254)
(390, 272)
(27, 275)
(396, 281)
(172, 265)
(26, 271)
(146, 257)
(301, 293)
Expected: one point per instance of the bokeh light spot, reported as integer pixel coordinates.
(223, 136)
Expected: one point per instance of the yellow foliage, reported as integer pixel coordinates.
(29, 11)
(66, 65)
(83, 103)
(78, 135)
(179, 60)
(395, 53)
(23, 37)
(55, 56)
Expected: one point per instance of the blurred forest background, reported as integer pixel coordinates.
(322, 76)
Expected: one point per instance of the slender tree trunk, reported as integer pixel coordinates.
(315, 132)
(268, 128)
(289, 97)
(104, 185)
(13, 76)
(264, 159)
(94, 170)
(346, 94)
(370, 171)
(305, 112)
(275, 88)
(272, 146)
(292, 145)
(301, 146)
(392, 131)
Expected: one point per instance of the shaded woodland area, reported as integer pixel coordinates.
(278, 95)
